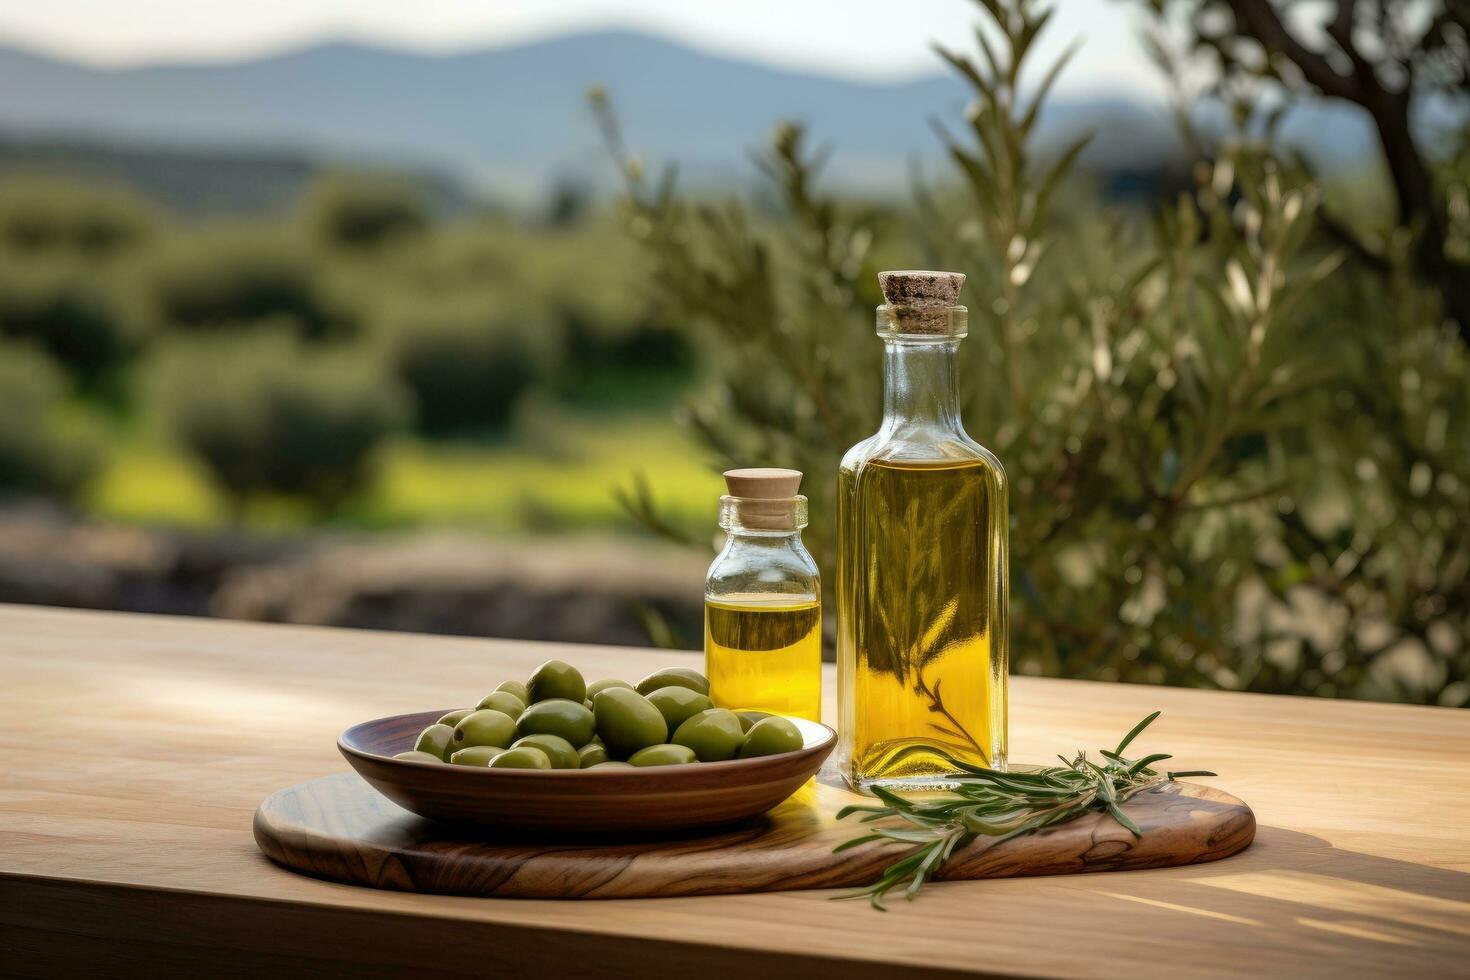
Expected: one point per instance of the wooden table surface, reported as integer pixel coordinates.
(133, 751)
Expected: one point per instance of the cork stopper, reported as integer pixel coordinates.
(922, 302)
(763, 483)
(763, 499)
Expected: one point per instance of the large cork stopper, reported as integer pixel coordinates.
(922, 302)
(767, 498)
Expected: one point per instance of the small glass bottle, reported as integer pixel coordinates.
(922, 574)
(763, 601)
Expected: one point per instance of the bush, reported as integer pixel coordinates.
(465, 365)
(363, 211)
(1231, 465)
(39, 214)
(268, 415)
(225, 280)
(79, 323)
(642, 345)
(38, 454)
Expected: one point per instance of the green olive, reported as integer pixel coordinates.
(749, 718)
(475, 755)
(569, 719)
(516, 688)
(555, 679)
(663, 755)
(771, 735)
(485, 727)
(417, 756)
(525, 757)
(454, 717)
(563, 754)
(597, 687)
(503, 701)
(714, 735)
(436, 740)
(613, 764)
(675, 677)
(626, 722)
(592, 754)
(678, 704)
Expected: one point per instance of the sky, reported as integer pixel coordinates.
(875, 39)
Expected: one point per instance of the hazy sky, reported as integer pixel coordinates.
(871, 38)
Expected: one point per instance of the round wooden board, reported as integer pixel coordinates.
(340, 828)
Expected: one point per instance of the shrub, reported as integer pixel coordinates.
(38, 454)
(465, 364)
(227, 279)
(638, 345)
(1227, 469)
(77, 321)
(268, 415)
(363, 211)
(40, 214)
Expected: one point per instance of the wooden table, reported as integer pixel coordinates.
(134, 750)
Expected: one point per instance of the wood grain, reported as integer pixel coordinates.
(578, 802)
(132, 848)
(340, 828)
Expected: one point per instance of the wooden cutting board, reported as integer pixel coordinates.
(340, 828)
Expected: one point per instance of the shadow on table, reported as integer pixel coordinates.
(1297, 890)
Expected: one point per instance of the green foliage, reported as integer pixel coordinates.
(466, 362)
(62, 309)
(364, 211)
(39, 452)
(233, 278)
(1387, 60)
(268, 415)
(594, 339)
(1188, 504)
(1391, 556)
(592, 348)
(49, 215)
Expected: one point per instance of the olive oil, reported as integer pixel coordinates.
(764, 653)
(920, 591)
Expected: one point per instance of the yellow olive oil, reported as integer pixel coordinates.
(921, 592)
(764, 653)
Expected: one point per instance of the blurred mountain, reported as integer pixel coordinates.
(203, 180)
(515, 118)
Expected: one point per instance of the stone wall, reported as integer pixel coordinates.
(590, 590)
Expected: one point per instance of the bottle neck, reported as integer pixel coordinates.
(761, 517)
(759, 536)
(921, 382)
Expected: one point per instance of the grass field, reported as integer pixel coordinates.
(560, 477)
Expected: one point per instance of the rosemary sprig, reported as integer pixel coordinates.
(1000, 805)
(955, 728)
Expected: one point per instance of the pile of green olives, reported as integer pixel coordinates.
(556, 720)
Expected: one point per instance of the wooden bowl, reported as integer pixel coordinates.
(583, 801)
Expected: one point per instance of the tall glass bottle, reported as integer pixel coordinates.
(763, 600)
(922, 561)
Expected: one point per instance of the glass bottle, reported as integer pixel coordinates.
(922, 561)
(763, 600)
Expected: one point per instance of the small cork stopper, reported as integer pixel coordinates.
(920, 301)
(767, 498)
(763, 483)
